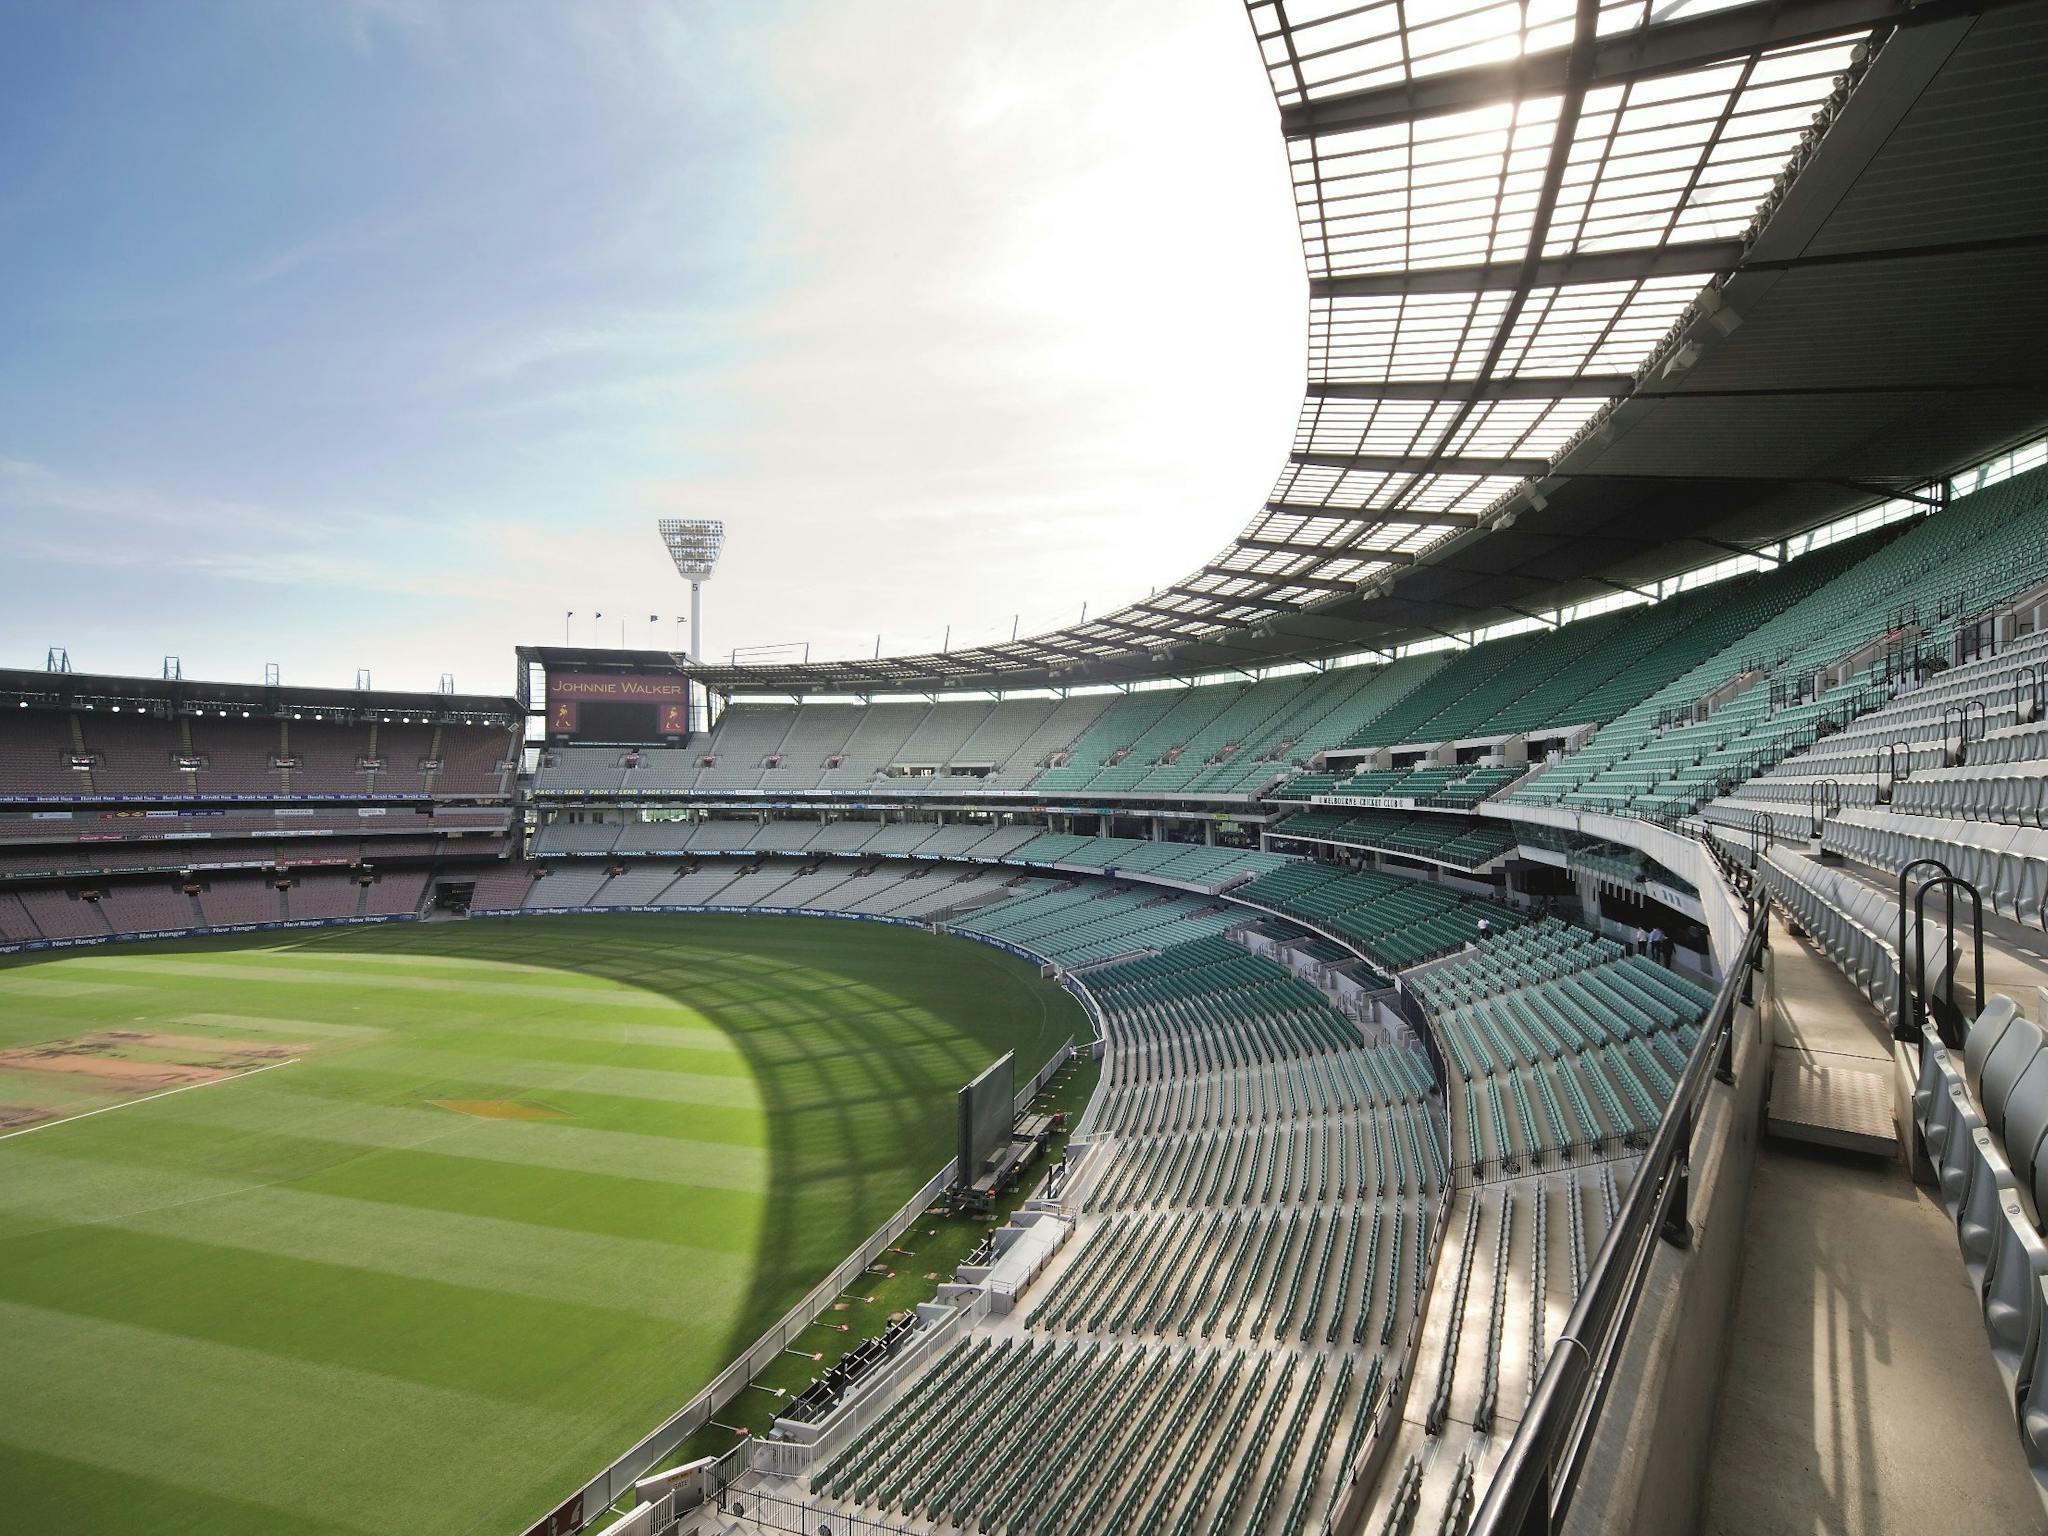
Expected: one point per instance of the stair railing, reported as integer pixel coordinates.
(1948, 1021)
(1889, 772)
(1907, 1025)
(1823, 799)
(2033, 695)
(1961, 713)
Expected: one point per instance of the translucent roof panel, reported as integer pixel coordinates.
(1686, 157)
(1320, 48)
(1593, 327)
(1375, 338)
(1443, 367)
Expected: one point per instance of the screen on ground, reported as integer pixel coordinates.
(987, 1109)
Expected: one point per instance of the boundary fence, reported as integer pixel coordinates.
(90, 940)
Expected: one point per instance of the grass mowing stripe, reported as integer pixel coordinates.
(357, 978)
(337, 1444)
(575, 1200)
(557, 1144)
(557, 1048)
(427, 1332)
(347, 1082)
(522, 1075)
(58, 1493)
(26, 984)
(482, 1252)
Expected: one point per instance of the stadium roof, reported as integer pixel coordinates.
(20, 685)
(1600, 293)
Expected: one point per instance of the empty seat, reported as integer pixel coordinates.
(1989, 1190)
(2034, 1399)
(1984, 1034)
(2012, 1055)
(2012, 1292)
(2026, 1118)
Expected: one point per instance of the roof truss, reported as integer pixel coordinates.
(1663, 48)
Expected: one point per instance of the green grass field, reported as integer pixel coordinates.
(515, 1192)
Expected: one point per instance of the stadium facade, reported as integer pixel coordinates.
(1663, 549)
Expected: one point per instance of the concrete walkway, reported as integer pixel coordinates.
(1860, 1396)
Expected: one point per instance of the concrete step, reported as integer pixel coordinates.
(1832, 1102)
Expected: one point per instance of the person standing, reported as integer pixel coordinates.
(1660, 947)
(1640, 943)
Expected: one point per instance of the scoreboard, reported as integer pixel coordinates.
(618, 706)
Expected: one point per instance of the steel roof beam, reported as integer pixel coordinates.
(1845, 391)
(1064, 649)
(1328, 551)
(1669, 47)
(1150, 633)
(1315, 583)
(1390, 517)
(1230, 600)
(1417, 463)
(1187, 614)
(1587, 386)
(1701, 258)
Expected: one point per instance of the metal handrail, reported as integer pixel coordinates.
(1762, 833)
(1947, 1021)
(1907, 1027)
(1532, 1490)
(1823, 799)
(1888, 766)
(1960, 713)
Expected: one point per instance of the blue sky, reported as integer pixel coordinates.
(377, 334)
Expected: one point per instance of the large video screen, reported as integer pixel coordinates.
(988, 1109)
(618, 706)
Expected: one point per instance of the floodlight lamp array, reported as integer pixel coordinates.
(694, 544)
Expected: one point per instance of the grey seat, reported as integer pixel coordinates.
(1948, 1135)
(2026, 1118)
(1937, 1068)
(1985, 1033)
(1989, 1187)
(2015, 1052)
(2012, 1297)
(2035, 1177)
(1950, 1115)
(2033, 1406)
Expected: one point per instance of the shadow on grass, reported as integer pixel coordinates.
(858, 1037)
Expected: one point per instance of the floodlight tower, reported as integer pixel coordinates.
(694, 544)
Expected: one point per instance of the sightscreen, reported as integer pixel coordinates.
(618, 706)
(987, 1111)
